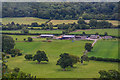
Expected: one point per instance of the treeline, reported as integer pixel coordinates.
(60, 10)
(81, 24)
(104, 59)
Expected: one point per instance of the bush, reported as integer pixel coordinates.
(16, 69)
(7, 56)
(30, 39)
(28, 56)
(12, 55)
(19, 54)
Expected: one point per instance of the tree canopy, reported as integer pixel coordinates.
(40, 56)
(7, 43)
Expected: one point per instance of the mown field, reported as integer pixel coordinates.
(105, 49)
(53, 50)
(55, 22)
(112, 32)
(23, 20)
(34, 31)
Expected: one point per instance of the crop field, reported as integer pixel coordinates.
(23, 20)
(55, 22)
(112, 32)
(53, 50)
(105, 49)
(35, 31)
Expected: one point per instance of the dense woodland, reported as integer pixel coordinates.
(61, 11)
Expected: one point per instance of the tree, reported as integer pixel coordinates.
(105, 33)
(84, 58)
(35, 24)
(7, 43)
(17, 69)
(96, 33)
(28, 56)
(24, 31)
(40, 56)
(81, 21)
(93, 23)
(30, 39)
(109, 75)
(67, 60)
(14, 51)
(88, 46)
(83, 33)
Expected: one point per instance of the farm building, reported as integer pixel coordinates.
(60, 37)
(68, 37)
(107, 37)
(94, 36)
(80, 37)
(46, 36)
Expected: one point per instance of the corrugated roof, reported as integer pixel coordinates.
(68, 35)
(46, 35)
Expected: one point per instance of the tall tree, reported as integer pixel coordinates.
(7, 43)
(40, 56)
(88, 46)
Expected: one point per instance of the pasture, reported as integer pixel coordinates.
(105, 49)
(53, 50)
(23, 20)
(112, 32)
(20, 38)
(55, 22)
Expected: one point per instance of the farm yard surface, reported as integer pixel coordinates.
(53, 50)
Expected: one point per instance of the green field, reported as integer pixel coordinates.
(53, 50)
(20, 38)
(105, 49)
(35, 31)
(55, 22)
(112, 32)
(23, 20)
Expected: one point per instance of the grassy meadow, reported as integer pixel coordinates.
(23, 20)
(53, 50)
(20, 38)
(112, 32)
(105, 49)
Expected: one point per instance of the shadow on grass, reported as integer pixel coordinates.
(34, 62)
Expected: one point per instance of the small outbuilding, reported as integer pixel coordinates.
(94, 36)
(80, 37)
(68, 37)
(107, 37)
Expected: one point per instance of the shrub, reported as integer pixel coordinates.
(7, 56)
(24, 39)
(16, 69)
(28, 56)
(30, 39)
(19, 54)
(14, 51)
(12, 55)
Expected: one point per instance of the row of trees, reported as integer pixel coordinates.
(61, 11)
(81, 24)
